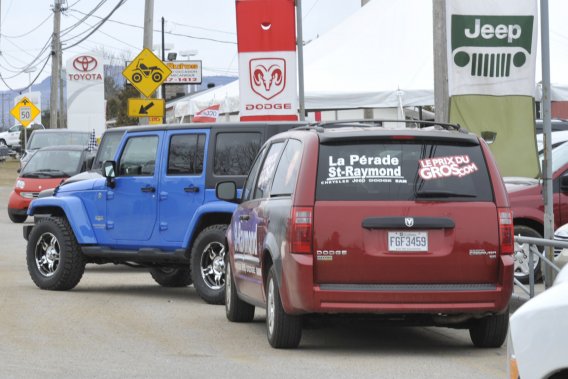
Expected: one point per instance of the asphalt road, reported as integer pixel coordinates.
(117, 323)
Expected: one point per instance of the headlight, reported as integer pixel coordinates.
(20, 184)
(27, 195)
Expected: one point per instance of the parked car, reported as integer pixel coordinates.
(526, 199)
(536, 344)
(561, 254)
(155, 207)
(11, 137)
(556, 138)
(555, 125)
(45, 169)
(409, 224)
(53, 137)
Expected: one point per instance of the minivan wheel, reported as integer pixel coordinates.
(522, 259)
(284, 331)
(235, 309)
(208, 264)
(171, 276)
(490, 331)
(54, 259)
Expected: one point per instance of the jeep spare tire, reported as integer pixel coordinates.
(208, 264)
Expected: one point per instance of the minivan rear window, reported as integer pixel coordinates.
(403, 170)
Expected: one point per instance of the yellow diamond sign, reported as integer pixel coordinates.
(25, 111)
(146, 72)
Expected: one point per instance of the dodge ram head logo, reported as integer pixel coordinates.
(267, 76)
(409, 221)
(85, 63)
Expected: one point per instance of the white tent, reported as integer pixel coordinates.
(381, 57)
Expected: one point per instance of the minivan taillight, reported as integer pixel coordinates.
(301, 230)
(506, 231)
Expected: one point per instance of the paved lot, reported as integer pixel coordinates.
(117, 323)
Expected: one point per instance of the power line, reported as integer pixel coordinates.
(170, 33)
(33, 30)
(108, 35)
(32, 82)
(103, 20)
(202, 28)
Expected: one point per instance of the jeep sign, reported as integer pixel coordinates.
(491, 51)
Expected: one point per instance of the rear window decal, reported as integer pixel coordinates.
(363, 168)
(444, 167)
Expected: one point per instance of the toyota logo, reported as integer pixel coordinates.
(85, 63)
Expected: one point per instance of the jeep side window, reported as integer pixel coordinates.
(186, 154)
(287, 172)
(235, 152)
(267, 171)
(139, 156)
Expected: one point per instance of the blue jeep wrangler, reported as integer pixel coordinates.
(155, 207)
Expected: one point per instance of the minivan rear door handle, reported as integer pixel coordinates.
(408, 223)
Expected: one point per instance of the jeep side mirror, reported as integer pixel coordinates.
(227, 191)
(109, 172)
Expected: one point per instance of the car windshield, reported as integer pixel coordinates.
(107, 149)
(54, 163)
(39, 140)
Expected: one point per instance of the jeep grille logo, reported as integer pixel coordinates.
(267, 76)
(491, 44)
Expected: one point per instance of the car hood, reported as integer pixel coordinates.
(83, 176)
(519, 183)
(81, 185)
(38, 184)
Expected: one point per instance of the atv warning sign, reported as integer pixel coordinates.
(146, 72)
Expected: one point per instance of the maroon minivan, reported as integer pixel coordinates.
(412, 223)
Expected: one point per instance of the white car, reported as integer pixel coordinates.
(11, 137)
(556, 139)
(538, 334)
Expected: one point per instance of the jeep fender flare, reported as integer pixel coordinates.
(202, 211)
(75, 212)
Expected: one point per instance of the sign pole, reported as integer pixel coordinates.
(148, 33)
(300, 43)
(163, 89)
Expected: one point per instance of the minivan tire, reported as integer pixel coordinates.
(490, 331)
(208, 264)
(527, 231)
(284, 331)
(235, 309)
(53, 256)
(172, 277)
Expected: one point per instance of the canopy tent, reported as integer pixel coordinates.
(381, 57)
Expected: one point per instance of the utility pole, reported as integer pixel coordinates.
(441, 97)
(62, 114)
(55, 58)
(148, 34)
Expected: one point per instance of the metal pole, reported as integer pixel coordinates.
(62, 114)
(441, 96)
(300, 43)
(547, 162)
(163, 88)
(148, 34)
(55, 55)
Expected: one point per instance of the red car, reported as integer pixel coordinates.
(408, 224)
(46, 169)
(527, 204)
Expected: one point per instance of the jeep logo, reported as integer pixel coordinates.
(490, 46)
(488, 31)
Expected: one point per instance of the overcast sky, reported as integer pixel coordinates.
(207, 26)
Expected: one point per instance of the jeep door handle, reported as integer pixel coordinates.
(148, 189)
(244, 217)
(191, 189)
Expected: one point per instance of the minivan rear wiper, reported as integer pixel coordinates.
(426, 194)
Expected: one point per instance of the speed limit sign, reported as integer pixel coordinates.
(25, 111)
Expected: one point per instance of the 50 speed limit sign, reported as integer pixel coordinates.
(25, 111)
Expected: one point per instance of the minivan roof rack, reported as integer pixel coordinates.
(377, 122)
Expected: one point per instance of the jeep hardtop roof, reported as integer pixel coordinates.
(220, 125)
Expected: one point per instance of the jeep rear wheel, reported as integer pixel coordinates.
(490, 331)
(171, 276)
(54, 259)
(208, 264)
(235, 309)
(284, 331)
(522, 269)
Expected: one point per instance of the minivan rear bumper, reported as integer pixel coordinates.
(301, 295)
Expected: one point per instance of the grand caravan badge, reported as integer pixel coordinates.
(491, 46)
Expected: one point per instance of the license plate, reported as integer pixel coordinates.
(408, 241)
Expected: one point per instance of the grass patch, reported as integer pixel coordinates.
(8, 172)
